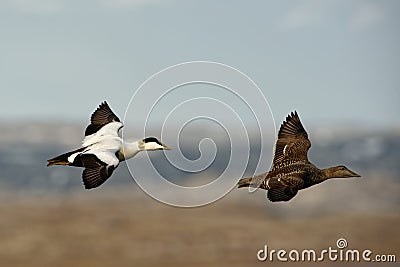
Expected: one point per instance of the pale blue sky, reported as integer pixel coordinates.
(330, 60)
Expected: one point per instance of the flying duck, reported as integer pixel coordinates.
(103, 149)
(291, 171)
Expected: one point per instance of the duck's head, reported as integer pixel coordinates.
(340, 172)
(152, 143)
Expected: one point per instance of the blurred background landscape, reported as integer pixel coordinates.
(49, 219)
(336, 62)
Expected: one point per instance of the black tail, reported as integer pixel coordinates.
(63, 159)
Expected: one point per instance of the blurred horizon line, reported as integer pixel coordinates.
(311, 124)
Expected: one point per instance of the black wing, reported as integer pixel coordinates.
(292, 144)
(96, 172)
(100, 117)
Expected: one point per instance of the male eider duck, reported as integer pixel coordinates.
(103, 149)
(291, 171)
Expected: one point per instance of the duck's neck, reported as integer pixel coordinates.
(129, 150)
(326, 173)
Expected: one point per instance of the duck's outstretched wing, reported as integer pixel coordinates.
(281, 194)
(96, 171)
(292, 144)
(103, 115)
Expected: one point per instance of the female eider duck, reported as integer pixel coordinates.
(103, 149)
(291, 171)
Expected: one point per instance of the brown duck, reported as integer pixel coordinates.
(291, 171)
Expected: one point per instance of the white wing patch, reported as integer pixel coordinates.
(109, 130)
(284, 150)
(106, 156)
(104, 143)
(105, 149)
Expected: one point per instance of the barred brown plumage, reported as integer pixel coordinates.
(291, 171)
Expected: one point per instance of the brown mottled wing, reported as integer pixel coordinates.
(286, 181)
(281, 194)
(96, 172)
(292, 144)
(100, 117)
(283, 188)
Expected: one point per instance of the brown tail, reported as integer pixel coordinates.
(62, 159)
(244, 182)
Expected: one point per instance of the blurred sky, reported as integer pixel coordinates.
(331, 60)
